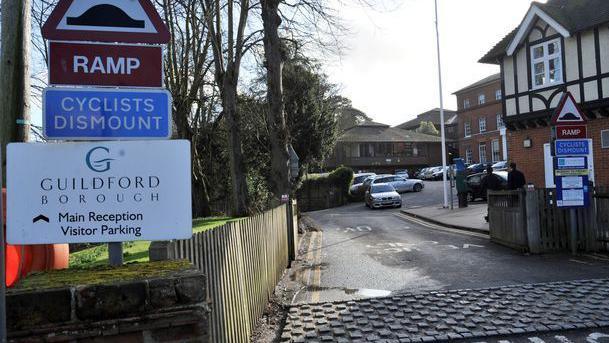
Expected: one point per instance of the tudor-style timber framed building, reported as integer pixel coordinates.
(562, 45)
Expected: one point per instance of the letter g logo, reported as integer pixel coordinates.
(98, 164)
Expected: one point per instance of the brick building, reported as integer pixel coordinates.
(480, 121)
(559, 46)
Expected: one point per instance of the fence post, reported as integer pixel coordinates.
(532, 221)
(291, 235)
(591, 224)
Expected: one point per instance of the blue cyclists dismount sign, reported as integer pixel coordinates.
(96, 114)
(568, 147)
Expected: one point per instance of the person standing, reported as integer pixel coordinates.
(491, 182)
(516, 179)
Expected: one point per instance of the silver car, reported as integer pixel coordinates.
(383, 195)
(358, 182)
(400, 184)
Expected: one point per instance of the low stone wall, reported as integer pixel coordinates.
(169, 309)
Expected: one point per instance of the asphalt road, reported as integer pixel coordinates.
(376, 252)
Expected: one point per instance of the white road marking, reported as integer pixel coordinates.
(536, 340)
(440, 228)
(581, 262)
(563, 339)
(597, 257)
(466, 246)
(451, 246)
(594, 337)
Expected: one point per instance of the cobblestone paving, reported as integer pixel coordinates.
(453, 315)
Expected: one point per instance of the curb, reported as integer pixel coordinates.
(452, 226)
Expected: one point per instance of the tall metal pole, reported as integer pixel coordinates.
(443, 134)
(2, 268)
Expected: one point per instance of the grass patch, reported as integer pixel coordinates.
(135, 251)
(101, 275)
(204, 224)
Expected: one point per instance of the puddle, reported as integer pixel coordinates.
(373, 293)
(362, 292)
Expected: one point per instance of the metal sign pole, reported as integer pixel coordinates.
(115, 253)
(573, 215)
(2, 268)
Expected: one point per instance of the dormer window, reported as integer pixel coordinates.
(546, 64)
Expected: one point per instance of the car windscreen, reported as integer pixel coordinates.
(360, 179)
(381, 189)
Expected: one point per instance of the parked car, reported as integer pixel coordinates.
(502, 165)
(383, 195)
(474, 184)
(358, 182)
(368, 181)
(403, 173)
(428, 175)
(419, 173)
(476, 168)
(400, 184)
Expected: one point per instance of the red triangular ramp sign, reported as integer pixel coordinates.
(568, 112)
(122, 21)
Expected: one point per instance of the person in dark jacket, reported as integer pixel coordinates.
(516, 179)
(491, 182)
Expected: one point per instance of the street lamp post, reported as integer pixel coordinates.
(442, 131)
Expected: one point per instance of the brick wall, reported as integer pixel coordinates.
(164, 309)
(531, 160)
(489, 110)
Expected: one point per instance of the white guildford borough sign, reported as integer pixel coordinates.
(98, 192)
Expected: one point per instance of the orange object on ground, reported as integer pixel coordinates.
(20, 260)
(12, 265)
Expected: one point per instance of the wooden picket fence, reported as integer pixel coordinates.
(541, 226)
(243, 262)
(601, 203)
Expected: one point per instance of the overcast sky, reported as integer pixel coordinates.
(390, 69)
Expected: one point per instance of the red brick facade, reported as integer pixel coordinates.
(490, 112)
(531, 160)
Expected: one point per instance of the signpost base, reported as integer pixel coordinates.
(573, 217)
(115, 254)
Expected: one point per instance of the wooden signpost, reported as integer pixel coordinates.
(571, 152)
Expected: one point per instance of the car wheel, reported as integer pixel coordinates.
(417, 187)
(470, 197)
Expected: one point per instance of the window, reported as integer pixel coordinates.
(546, 64)
(482, 152)
(496, 152)
(498, 94)
(468, 129)
(605, 139)
(481, 99)
(499, 121)
(466, 103)
(468, 155)
(482, 125)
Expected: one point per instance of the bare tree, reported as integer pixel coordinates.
(14, 74)
(227, 23)
(278, 135)
(187, 72)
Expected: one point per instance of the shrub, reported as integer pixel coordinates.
(325, 190)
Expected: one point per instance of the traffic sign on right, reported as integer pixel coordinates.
(571, 150)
